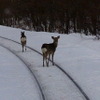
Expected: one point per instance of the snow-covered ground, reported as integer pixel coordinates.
(78, 54)
(16, 82)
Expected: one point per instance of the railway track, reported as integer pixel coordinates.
(42, 96)
(59, 67)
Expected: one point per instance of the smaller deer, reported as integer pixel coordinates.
(23, 41)
(49, 50)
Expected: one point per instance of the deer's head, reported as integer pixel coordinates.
(55, 39)
(22, 33)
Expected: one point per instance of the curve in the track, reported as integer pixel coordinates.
(28, 66)
(75, 83)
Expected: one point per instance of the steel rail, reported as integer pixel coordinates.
(28, 66)
(69, 76)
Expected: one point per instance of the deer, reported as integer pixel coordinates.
(23, 41)
(49, 50)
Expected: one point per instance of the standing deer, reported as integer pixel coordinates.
(23, 41)
(49, 50)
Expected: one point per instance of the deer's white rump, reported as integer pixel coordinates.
(23, 41)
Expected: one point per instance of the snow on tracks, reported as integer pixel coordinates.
(54, 82)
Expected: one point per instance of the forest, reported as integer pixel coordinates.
(63, 16)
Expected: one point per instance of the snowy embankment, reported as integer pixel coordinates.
(78, 55)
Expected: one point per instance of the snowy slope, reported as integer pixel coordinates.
(78, 55)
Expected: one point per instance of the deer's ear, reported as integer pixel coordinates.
(52, 37)
(58, 37)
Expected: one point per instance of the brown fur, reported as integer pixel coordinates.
(49, 50)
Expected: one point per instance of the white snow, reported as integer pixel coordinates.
(16, 83)
(78, 54)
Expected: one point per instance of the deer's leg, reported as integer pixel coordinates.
(25, 47)
(48, 59)
(43, 60)
(53, 59)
